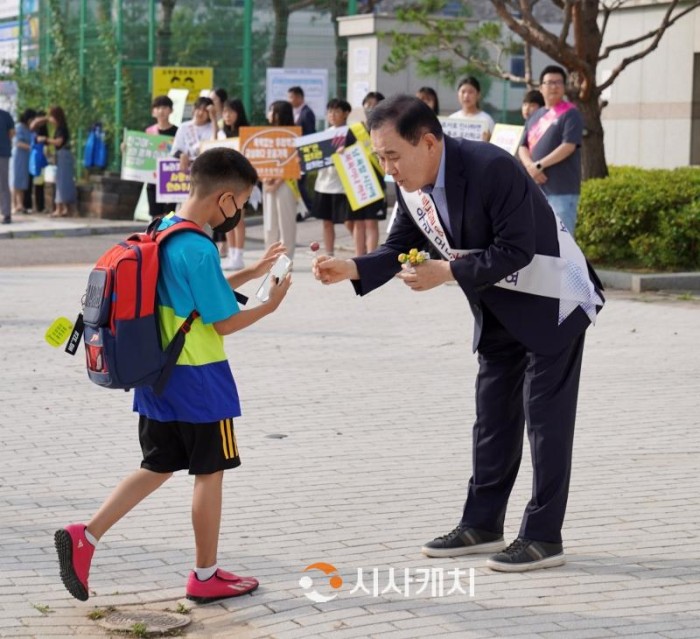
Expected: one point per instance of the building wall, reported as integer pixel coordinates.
(648, 118)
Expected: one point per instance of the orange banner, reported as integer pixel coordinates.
(271, 150)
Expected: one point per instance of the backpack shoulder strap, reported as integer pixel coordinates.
(183, 225)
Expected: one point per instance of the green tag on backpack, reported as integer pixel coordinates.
(58, 332)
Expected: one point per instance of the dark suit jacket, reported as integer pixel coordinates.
(495, 206)
(306, 120)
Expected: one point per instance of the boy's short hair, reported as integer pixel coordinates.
(162, 101)
(221, 168)
(337, 103)
(534, 97)
(202, 103)
(296, 91)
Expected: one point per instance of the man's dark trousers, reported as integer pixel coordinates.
(515, 386)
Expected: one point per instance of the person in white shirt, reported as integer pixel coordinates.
(192, 133)
(469, 94)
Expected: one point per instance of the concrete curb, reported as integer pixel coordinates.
(81, 227)
(73, 231)
(638, 283)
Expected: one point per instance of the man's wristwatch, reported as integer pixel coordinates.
(538, 166)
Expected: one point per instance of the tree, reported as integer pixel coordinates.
(578, 47)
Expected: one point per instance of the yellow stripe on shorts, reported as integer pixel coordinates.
(222, 427)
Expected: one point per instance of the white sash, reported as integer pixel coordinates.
(564, 278)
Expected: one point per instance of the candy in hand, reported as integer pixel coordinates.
(314, 246)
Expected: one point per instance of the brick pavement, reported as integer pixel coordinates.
(363, 477)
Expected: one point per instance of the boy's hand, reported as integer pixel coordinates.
(278, 291)
(264, 264)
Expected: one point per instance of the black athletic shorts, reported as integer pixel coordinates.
(201, 449)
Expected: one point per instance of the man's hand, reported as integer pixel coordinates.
(330, 270)
(429, 274)
(536, 174)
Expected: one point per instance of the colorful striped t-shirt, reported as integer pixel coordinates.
(201, 388)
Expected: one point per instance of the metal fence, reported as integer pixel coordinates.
(111, 46)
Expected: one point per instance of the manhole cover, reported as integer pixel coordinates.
(149, 621)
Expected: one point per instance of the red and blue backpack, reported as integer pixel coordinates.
(122, 335)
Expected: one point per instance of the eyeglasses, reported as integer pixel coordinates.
(553, 83)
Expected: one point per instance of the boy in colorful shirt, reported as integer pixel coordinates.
(189, 426)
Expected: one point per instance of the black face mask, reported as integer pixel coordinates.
(229, 223)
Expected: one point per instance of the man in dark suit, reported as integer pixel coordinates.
(303, 115)
(473, 205)
(305, 118)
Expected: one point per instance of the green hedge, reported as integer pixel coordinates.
(644, 218)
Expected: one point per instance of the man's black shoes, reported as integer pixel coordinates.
(525, 554)
(464, 541)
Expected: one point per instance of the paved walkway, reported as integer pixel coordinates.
(356, 450)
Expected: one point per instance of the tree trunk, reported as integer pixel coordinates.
(165, 33)
(341, 54)
(279, 36)
(593, 164)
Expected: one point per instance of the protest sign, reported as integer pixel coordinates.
(192, 79)
(358, 177)
(315, 150)
(459, 128)
(179, 98)
(173, 185)
(362, 136)
(141, 150)
(314, 83)
(271, 150)
(507, 137)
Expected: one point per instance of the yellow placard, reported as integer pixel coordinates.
(362, 137)
(271, 150)
(193, 79)
(359, 180)
(58, 332)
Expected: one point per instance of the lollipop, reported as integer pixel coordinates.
(314, 246)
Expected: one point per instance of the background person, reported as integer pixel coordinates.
(161, 108)
(279, 201)
(469, 96)
(550, 149)
(191, 134)
(65, 191)
(430, 97)
(218, 96)
(306, 119)
(22, 143)
(233, 118)
(363, 223)
(7, 132)
(331, 204)
(532, 101)
(39, 129)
